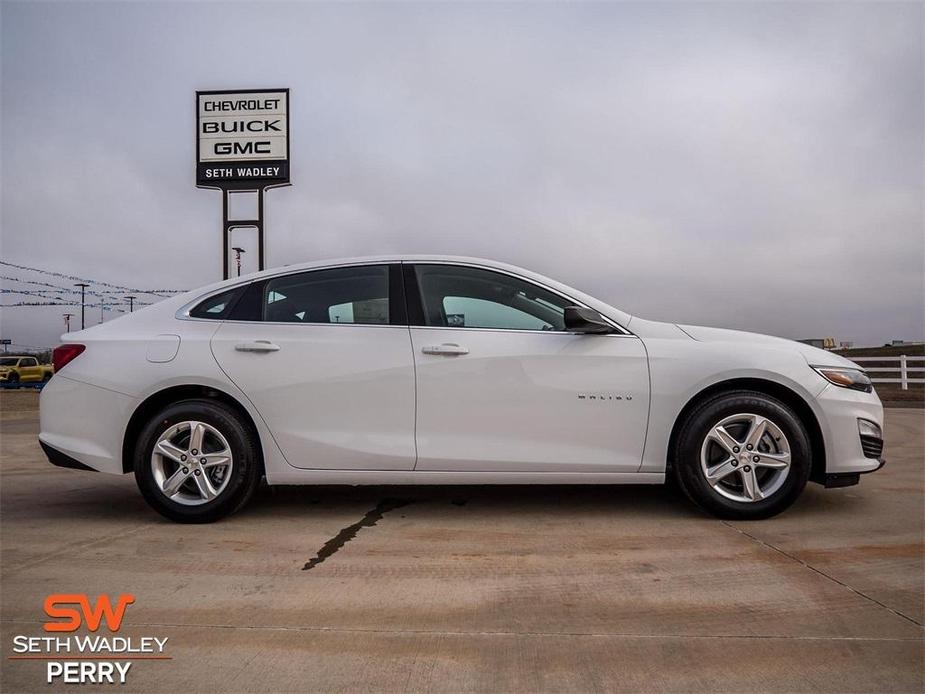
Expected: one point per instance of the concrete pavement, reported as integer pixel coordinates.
(479, 589)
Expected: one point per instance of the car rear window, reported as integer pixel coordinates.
(218, 306)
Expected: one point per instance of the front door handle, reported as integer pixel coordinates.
(257, 346)
(447, 349)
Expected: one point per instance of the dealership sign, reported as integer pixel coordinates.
(242, 138)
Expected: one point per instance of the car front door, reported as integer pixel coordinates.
(325, 357)
(29, 369)
(502, 386)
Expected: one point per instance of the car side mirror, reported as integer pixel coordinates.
(579, 319)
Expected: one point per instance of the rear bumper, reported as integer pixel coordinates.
(84, 423)
(56, 457)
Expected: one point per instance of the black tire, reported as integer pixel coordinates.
(13, 377)
(245, 470)
(46, 377)
(690, 477)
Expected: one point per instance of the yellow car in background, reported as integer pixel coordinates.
(24, 369)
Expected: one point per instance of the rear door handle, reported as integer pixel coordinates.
(447, 349)
(257, 346)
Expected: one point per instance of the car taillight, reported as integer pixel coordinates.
(63, 355)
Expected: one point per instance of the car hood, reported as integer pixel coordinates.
(813, 355)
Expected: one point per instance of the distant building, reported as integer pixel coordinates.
(846, 345)
(820, 342)
(900, 343)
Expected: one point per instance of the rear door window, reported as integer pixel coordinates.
(352, 295)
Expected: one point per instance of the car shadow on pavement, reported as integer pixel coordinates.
(118, 498)
(640, 501)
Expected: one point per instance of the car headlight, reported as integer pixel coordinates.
(845, 378)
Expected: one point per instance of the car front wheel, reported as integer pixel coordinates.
(742, 455)
(197, 461)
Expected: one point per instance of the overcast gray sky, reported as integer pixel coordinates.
(749, 166)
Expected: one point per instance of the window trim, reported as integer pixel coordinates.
(417, 318)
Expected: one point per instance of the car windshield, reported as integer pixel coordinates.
(9, 361)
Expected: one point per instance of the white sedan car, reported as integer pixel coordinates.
(437, 370)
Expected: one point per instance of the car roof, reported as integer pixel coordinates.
(412, 258)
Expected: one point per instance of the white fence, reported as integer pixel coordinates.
(903, 370)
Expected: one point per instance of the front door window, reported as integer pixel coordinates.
(466, 297)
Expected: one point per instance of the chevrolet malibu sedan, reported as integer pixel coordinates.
(439, 370)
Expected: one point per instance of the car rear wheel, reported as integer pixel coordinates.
(197, 461)
(742, 455)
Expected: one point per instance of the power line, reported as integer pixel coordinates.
(59, 292)
(36, 282)
(40, 293)
(108, 306)
(34, 292)
(52, 300)
(58, 287)
(134, 290)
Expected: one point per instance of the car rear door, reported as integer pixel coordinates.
(501, 386)
(325, 357)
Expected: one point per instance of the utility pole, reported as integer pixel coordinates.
(67, 322)
(237, 256)
(131, 302)
(102, 306)
(83, 288)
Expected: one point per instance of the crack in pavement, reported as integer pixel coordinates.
(372, 517)
(823, 574)
(501, 633)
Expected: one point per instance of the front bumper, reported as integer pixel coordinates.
(847, 455)
(846, 479)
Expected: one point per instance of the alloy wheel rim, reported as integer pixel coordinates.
(745, 457)
(191, 463)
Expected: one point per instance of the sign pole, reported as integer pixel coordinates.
(226, 234)
(260, 249)
(242, 146)
(229, 225)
